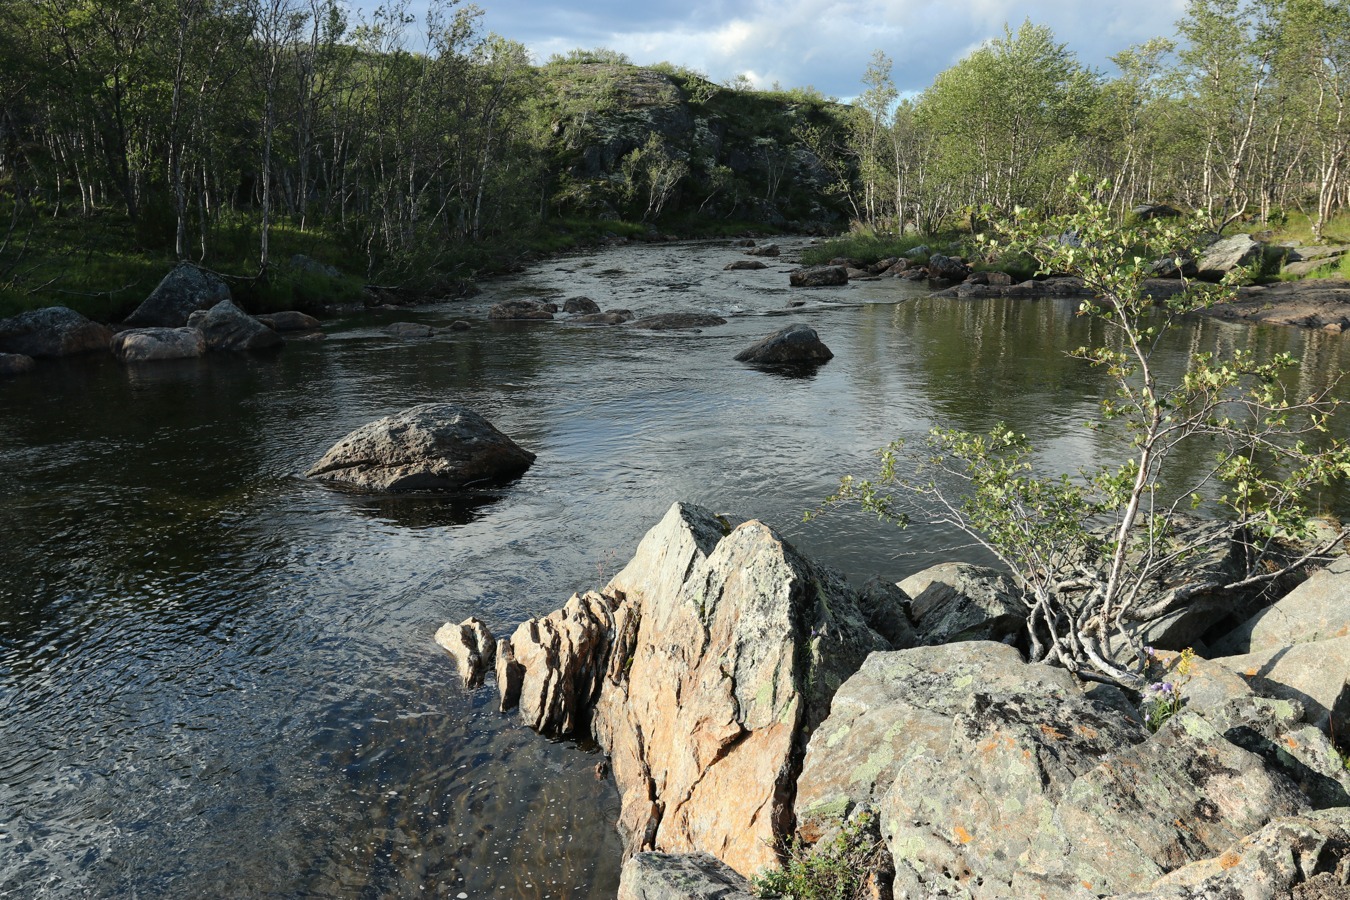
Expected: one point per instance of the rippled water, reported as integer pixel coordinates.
(217, 679)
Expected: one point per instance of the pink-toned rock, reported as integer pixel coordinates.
(472, 646)
(561, 659)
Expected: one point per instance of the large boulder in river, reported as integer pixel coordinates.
(818, 276)
(153, 344)
(726, 656)
(427, 447)
(227, 327)
(797, 343)
(1228, 254)
(182, 292)
(53, 331)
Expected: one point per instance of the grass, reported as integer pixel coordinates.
(865, 246)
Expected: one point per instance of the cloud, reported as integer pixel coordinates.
(824, 43)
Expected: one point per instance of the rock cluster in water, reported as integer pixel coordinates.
(746, 695)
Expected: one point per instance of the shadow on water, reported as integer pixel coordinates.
(800, 371)
(423, 509)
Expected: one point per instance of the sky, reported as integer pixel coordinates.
(822, 43)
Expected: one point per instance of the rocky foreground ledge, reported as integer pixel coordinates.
(746, 695)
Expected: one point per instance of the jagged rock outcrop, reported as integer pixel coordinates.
(428, 447)
(680, 876)
(727, 657)
(818, 276)
(182, 292)
(961, 602)
(152, 344)
(227, 327)
(797, 343)
(473, 647)
(51, 332)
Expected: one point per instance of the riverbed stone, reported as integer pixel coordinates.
(522, 310)
(744, 265)
(677, 321)
(764, 250)
(472, 646)
(154, 344)
(1316, 674)
(227, 327)
(796, 343)
(680, 876)
(427, 447)
(580, 306)
(51, 332)
(1315, 610)
(962, 602)
(612, 317)
(289, 320)
(818, 276)
(969, 749)
(15, 364)
(186, 289)
(735, 654)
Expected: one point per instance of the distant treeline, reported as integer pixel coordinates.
(400, 137)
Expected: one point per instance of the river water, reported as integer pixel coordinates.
(219, 680)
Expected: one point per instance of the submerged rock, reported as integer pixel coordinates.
(151, 344)
(289, 320)
(527, 310)
(182, 292)
(227, 327)
(613, 317)
(676, 321)
(796, 343)
(744, 265)
(51, 332)
(580, 305)
(427, 447)
(15, 364)
(408, 330)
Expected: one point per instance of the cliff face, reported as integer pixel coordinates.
(622, 135)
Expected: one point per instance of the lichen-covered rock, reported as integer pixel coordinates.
(973, 750)
(526, 310)
(1316, 610)
(961, 602)
(797, 343)
(227, 327)
(728, 657)
(428, 447)
(152, 344)
(680, 876)
(15, 364)
(677, 321)
(50, 332)
(1315, 674)
(182, 292)
(818, 276)
(562, 659)
(1152, 808)
(1270, 864)
(884, 607)
(473, 647)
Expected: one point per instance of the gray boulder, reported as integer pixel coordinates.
(1315, 610)
(947, 268)
(960, 602)
(227, 327)
(1228, 254)
(432, 446)
(53, 331)
(526, 310)
(680, 876)
(1315, 674)
(289, 320)
(1147, 211)
(580, 305)
(677, 321)
(818, 276)
(612, 317)
(151, 344)
(183, 291)
(744, 265)
(15, 364)
(797, 343)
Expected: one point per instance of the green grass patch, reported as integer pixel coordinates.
(867, 247)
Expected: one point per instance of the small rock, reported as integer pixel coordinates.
(459, 325)
(582, 305)
(1223, 256)
(766, 250)
(680, 876)
(960, 602)
(675, 321)
(289, 320)
(15, 364)
(818, 276)
(522, 310)
(613, 317)
(408, 330)
(472, 646)
(152, 344)
(744, 264)
(796, 343)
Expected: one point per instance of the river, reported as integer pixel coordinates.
(218, 679)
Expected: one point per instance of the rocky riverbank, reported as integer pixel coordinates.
(747, 696)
